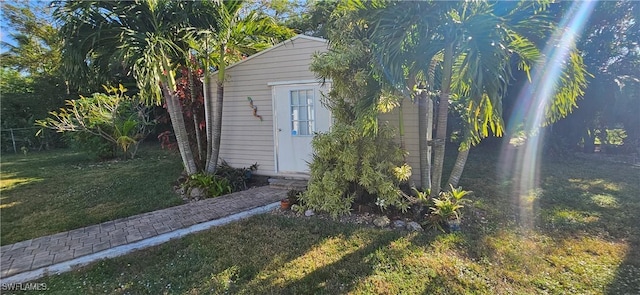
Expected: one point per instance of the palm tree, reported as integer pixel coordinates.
(144, 36)
(408, 57)
(474, 45)
(224, 32)
(155, 37)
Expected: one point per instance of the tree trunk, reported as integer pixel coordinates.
(458, 167)
(179, 129)
(196, 119)
(208, 108)
(431, 77)
(216, 124)
(217, 129)
(429, 140)
(423, 141)
(401, 129)
(441, 128)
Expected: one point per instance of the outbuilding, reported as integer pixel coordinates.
(273, 106)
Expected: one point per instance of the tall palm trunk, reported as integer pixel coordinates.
(458, 167)
(196, 118)
(217, 128)
(401, 128)
(441, 128)
(216, 124)
(179, 129)
(431, 77)
(425, 125)
(208, 108)
(423, 145)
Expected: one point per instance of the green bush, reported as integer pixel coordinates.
(212, 185)
(237, 177)
(112, 118)
(446, 207)
(94, 146)
(226, 180)
(350, 164)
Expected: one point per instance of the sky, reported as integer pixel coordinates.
(5, 29)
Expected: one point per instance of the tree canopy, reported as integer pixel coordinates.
(31, 83)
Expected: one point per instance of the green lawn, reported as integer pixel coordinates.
(584, 239)
(47, 192)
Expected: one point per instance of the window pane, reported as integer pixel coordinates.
(304, 128)
(302, 96)
(304, 115)
(309, 97)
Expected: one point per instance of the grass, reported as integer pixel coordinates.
(54, 191)
(584, 239)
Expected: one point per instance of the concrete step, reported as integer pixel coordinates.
(288, 184)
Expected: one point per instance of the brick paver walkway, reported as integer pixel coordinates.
(45, 251)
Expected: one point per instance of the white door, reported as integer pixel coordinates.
(299, 114)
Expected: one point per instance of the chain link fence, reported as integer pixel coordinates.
(22, 140)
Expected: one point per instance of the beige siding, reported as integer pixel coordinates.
(245, 139)
(410, 134)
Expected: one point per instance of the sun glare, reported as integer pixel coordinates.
(524, 162)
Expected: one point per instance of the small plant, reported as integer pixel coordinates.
(446, 207)
(292, 200)
(237, 177)
(212, 185)
(294, 196)
(420, 202)
(422, 197)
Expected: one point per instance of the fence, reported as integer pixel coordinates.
(25, 139)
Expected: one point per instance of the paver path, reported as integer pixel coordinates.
(40, 253)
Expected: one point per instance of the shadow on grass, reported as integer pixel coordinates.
(247, 257)
(627, 276)
(585, 224)
(318, 257)
(599, 200)
(342, 275)
(584, 235)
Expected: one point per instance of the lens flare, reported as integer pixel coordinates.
(521, 165)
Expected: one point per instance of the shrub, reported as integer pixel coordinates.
(349, 164)
(112, 117)
(237, 177)
(95, 146)
(446, 207)
(225, 181)
(212, 185)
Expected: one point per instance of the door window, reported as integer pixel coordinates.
(302, 112)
